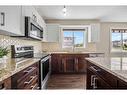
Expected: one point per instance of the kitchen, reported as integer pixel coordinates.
(58, 47)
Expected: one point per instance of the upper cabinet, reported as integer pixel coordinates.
(94, 33)
(53, 32)
(10, 20)
(30, 12)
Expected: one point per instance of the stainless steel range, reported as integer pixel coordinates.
(23, 52)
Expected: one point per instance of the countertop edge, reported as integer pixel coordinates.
(11, 73)
(108, 70)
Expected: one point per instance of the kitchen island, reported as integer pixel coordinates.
(107, 73)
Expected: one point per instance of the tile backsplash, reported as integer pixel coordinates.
(7, 41)
(54, 47)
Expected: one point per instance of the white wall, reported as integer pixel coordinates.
(104, 44)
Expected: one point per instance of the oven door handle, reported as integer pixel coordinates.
(45, 59)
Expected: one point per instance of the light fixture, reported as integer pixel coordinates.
(64, 11)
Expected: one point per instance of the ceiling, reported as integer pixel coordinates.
(103, 13)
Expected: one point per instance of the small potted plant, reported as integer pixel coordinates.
(3, 54)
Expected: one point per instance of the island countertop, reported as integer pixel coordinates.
(11, 66)
(114, 65)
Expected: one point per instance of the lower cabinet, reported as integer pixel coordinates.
(121, 84)
(96, 82)
(6, 84)
(56, 65)
(81, 64)
(98, 78)
(68, 63)
(27, 78)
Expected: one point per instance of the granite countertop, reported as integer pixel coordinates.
(12, 66)
(75, 52)
(114, 65)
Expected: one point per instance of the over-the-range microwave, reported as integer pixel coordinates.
(32, 30)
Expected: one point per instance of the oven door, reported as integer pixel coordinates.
(45, 70)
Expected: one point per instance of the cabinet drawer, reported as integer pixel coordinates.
(25, 72)
(33, 85)
(20, 80)
(28, 81)
(26, 77)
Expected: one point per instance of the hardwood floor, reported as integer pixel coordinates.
(67, 81)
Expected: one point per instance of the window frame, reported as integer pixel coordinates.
(85, 27)
(110, 39)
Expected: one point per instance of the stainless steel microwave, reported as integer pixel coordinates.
(32, 29)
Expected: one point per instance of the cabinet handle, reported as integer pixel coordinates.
(32, 78)
(92, 81)
(34, 86)
(34, 17)
(2, 18)
(4, 88)
(94, 69)
(38, 87)
(28, 71)
(95, 82)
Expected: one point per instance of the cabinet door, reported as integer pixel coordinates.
(95, 82)
(11, 20)
(101, 84)
(68, 64)
(95, 32)
(121, 84)
(89, 78)
(56, 66)
(81, 65)
(28, 11)
(53, 33)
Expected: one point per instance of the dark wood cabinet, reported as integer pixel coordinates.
(56, 64)
(68, 63)
(97, 78)
(94, 81)
(27, 78)
(101, 84)
(81, 63)
(6, 84)
(121, 84)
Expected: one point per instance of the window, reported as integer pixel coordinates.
(74, 38)
(119, 40)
